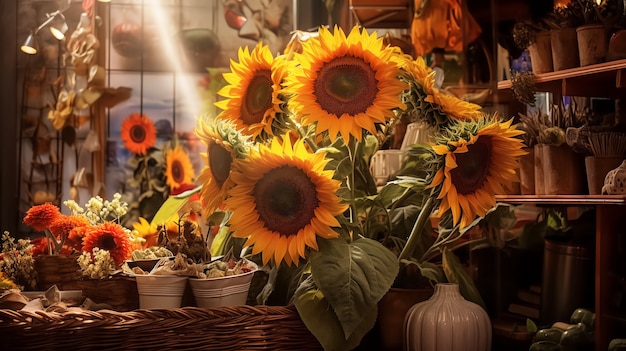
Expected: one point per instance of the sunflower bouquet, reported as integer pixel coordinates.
(287, 166)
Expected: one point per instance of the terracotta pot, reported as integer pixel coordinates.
(597, 168)
(564, 48)
(592, 44)
(561, 169)
(541, 53)
(527, 173)
(392, 309)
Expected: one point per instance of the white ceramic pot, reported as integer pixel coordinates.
(224, 291)
(447, 322)
(160, 291)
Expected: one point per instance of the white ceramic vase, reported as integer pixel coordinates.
(447, 322)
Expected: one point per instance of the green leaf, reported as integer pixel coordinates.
(353, 277)
(456, 273)
(168, 209)
(323, 323)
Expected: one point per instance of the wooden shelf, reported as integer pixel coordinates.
(572, 200)
(382, 13)
(607, 79)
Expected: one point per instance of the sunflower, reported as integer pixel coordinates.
(422, 81)
(39, 217)
(138, 133)
(147, 231)
(224, 144)
(479, 160)
(345, 85)
(108, 236)
(282, 200)
(179, 169)
(252, 90)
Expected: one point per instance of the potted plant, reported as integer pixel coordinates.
(535, 37)
(288, 159)
(563, 22)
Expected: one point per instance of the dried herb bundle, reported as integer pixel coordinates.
(524, 89)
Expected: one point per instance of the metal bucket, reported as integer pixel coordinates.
(567, 281)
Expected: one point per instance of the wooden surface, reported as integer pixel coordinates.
(605, 79)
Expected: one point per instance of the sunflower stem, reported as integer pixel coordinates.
(418, 227)
(354, 148)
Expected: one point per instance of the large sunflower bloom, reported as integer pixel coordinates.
(251, 91)
(39, 217)
(224, 144)
(108, 236)
(478, 164)
(345, 85)
(283, 199)
(179, 169)
(138, 133)
(448, 104)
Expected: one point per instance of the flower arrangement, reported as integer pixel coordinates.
(287, 167)
(93, 231)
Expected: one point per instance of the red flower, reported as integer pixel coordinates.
(40, 246)
(108, 236)
(63, 226)
(40, 217)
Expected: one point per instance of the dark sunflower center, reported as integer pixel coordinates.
(473, 166)
(286, 199)
(346, 84)
(178, 172)
(138, 134)
(258, 98)
(106, 241)
(220, 161)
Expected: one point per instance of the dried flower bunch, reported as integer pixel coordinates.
(17, 263)
(524, 88)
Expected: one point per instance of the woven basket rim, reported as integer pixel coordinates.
(241, 327)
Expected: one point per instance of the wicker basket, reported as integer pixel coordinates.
(188, 328)
(59, 270)
(118, 292)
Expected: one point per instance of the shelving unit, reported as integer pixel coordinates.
(610, 247)
(607, 79)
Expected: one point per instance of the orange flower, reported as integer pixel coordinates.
(63, 226)
(40, 217)
(138, 133)
(40, 246)
(111, 237)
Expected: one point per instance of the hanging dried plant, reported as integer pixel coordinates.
(524, 89)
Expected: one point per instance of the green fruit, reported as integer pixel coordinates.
(550, 334)
(576, 338)
(545, 346)
(582, 315)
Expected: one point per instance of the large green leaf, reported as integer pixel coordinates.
(353, 277)
(456, 273)
(171, 206)
(323, 323)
